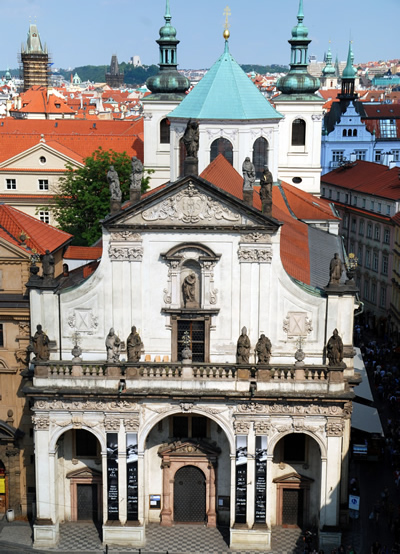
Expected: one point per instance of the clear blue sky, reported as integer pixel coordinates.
(82, 32)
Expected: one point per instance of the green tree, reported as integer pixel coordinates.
(82, 198)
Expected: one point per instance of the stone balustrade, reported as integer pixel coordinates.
(186, 377)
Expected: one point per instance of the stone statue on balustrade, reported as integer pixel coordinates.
(40, 345)
(114, 346)
(335, 270)
(334, 350)
(243, 348)
(263, 349)
(266, 191)
(134, 346)
(249, 174)
(137, 174)
(113, 182)
(191, 139)
(48, 265)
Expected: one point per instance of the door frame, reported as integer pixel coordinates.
(86, 476)
(293, 481)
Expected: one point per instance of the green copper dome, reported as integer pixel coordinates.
(168, 81)
(298, 81)
(329, 68)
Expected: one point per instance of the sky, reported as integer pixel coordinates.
(88, 32)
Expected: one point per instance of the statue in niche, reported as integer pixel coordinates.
(114, 345)
(335, 270)
(137, 174)
(113, 182)
(134, 346)
(243, 348)
(249, 174)
(189, 290)
(48, 265)
(334, 349)
(191, 139)
(263, 349)
(40, 345)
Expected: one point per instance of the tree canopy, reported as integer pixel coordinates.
(82, 198)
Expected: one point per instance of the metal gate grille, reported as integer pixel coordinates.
(87, 502)
(292, 507)
(196, 333)
(189, 495)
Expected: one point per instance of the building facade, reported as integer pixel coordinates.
(195, 402)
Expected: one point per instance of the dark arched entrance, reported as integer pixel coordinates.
(189, 495)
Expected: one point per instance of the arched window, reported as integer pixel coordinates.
(260, 155)
(222, 146)
(165, 131)
(354, 132)
(344, 132)
(298, 132)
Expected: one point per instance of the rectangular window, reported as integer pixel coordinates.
(396, 155)
(345, 221)
(387, 210)
(323, 191)
(361, 227)
(294, 448)
(346, 198)
(377, 233)
(385, 265)
(369, 230)
(1, 334)
(361, 154)
(355, 201)
(382, 300)
(337, 196)
(379, 208)
(86, 444)
(378, 156)
(364, 203)
(196, 333)
(388, 128)
(368, 258)
(43, 184)
(353, 225)
(372, 205)
(373, 293)
(44, 216)
(359, 254)
(330, 193)
(11, 184)
(386, 236)
(366, 290)
(337, 155)
(375, 261)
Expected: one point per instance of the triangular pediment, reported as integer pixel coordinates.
(83, 473)
(191, 202)
(11, 251)
(293, 478)
(189, 448)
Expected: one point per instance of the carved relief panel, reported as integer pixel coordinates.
(126, 246)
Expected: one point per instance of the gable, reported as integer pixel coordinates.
(31, 159)
(193, 204)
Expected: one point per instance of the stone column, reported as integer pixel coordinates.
(105, 489)
(233, 489)
(323, 497)
(269, 486)
(141, 488)
(166, 511)
(44, 494)
(251, 479)
(332, 500)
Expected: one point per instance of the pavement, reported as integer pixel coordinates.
(82, 537)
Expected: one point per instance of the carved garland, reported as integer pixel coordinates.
(126, 253)
(255, 255)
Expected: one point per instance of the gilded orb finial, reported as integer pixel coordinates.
(227, 13)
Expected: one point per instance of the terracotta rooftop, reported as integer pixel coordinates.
(367, 177)
(83, 253)
(41, 236)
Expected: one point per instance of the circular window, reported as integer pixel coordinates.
(297, 180)
(42, 160)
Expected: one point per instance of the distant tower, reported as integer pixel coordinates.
(348, 79)
(34, 60)
(300, 130)
(329, 78)
(168, 89)
(114, 78)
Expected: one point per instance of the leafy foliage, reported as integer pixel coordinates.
(97, 73)
(82, 199)
(263, 69)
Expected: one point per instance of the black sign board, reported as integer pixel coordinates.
(112, 476)
(261, 480)
(241, 479)
(132, 476)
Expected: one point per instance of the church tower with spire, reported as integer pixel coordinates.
(168, 88)
(34, 60)
(300, 130)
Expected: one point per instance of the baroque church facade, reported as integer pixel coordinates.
(204, 372)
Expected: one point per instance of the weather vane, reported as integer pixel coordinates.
(227, 13)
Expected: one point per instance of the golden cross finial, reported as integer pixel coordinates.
(227, 13)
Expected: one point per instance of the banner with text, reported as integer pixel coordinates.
(241, 479)
(261, 480)
(112, 476)
(132, 476)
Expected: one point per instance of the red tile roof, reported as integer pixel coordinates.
(41, 236)
(367, 177)
(37, 99)
(80, 136)
(83, 253)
